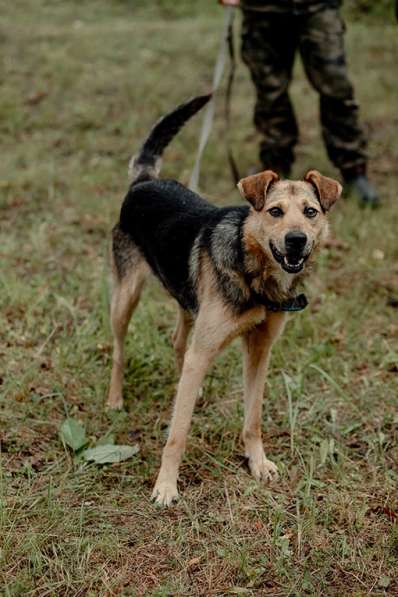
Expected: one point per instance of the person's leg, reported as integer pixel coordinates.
(268, 48)
(323, 53)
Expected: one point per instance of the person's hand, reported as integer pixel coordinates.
(233, 2)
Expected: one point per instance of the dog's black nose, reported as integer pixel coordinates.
(295, 241)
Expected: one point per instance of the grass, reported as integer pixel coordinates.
(81, 84)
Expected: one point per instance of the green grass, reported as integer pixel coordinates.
(81, 84)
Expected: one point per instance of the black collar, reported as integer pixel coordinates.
(297, 303)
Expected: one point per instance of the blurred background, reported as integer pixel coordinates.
(81, 83)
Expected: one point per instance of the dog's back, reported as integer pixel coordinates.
(162, 218)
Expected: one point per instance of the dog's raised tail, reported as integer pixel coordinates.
(146, 164)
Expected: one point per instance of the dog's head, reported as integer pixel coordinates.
(289, 218)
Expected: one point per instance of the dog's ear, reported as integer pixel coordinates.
(327, 189)
(254, 188)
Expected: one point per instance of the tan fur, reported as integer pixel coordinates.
(263, 227)
(260, 228)
(254, 188)
(257, 343)
(125, 296)
(180, 336)
(215, 326)
(135, 169)
(328, 190)
(216, 323)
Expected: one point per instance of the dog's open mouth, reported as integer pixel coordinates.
(290, 263)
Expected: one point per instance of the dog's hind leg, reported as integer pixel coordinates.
(127, 287)
(180, 336)
(257, 345)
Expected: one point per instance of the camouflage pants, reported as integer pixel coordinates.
(269, 45)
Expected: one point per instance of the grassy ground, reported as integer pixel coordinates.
(81, 83)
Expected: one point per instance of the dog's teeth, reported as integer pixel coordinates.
(293, 265)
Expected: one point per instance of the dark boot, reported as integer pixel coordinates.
(357, 184)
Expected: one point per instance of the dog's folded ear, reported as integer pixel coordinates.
(327, 189)
(254, 188)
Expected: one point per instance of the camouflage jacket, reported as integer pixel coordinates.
(297, 7)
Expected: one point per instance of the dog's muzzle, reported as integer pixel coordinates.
(296, 253)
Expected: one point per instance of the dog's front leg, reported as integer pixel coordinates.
(213, 329)
(257, 345)
(193, 371)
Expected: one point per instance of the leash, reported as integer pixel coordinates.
(226, 47)
(227, 106)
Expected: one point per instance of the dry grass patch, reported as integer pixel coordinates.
(79, 89)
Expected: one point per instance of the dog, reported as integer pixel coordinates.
(232, 270)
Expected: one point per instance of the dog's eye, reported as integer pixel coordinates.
(310, 212)
(275, 212)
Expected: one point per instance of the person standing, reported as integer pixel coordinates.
(273, 31)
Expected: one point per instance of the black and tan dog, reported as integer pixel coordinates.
(232, 270)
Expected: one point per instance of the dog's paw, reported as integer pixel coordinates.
(164, 493)
(114, 403)
(263, 469)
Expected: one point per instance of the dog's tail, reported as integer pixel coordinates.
(146, 164)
